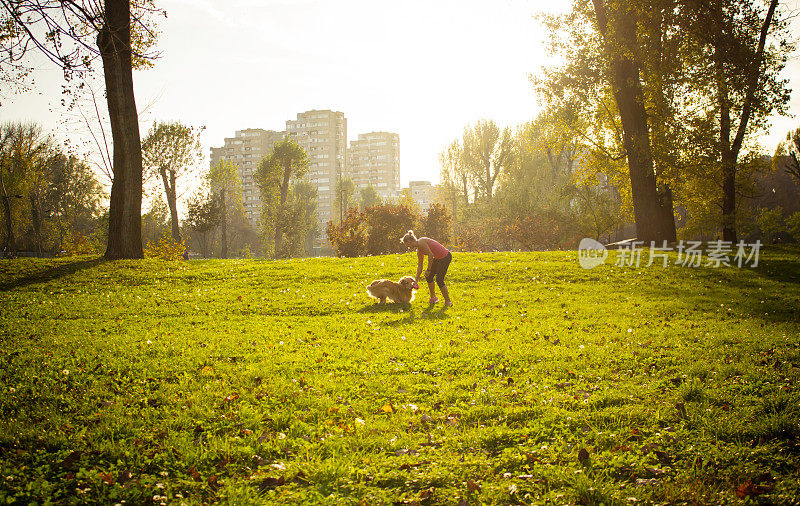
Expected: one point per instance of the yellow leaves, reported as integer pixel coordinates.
(388, 408)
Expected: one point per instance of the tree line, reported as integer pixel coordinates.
(51, 201)
(651, 120)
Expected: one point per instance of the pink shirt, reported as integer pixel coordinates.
(437, 249)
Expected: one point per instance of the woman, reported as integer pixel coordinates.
(438, 260)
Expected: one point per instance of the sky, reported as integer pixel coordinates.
(422, 69)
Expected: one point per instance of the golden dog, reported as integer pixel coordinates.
(382, 289)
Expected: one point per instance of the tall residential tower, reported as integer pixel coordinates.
(375, 160)
(246, 149)
(323, 134)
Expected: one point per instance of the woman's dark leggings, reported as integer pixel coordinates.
(439, 269)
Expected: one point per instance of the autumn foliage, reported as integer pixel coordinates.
(348, 238)
(377, 229)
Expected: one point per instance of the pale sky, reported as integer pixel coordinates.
(421, 68)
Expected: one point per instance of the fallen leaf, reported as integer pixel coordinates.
(71, 459)
(662, 457)
(270, 483)
(472, 486)
(123, 477)
(426, 494)
(583, 456)
(106, 478)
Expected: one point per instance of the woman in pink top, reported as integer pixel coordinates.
(438, 261)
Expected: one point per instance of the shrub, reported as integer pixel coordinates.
(386, 225)
(76, 243)
(349, 238)
(436, 223)
(770, 221)
(536, 231)
(165, 248)
(793, 224)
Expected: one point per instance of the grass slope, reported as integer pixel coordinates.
(261, 381)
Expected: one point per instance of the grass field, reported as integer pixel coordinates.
(281, 382)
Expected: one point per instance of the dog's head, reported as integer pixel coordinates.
(407, 282)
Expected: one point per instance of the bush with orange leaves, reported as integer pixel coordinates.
(348, 238)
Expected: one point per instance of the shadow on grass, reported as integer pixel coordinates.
(385, 308)
(410, 316)
(50, 274)
(782, 264)
(716, 289)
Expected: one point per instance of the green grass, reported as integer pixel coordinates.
(280, 381)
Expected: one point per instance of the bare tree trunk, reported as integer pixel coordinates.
(284, 188)
(37, 222)
(172, 201)
(654, 220)
(125, 210)
(8, 244)
(730, 149)
(224, 225)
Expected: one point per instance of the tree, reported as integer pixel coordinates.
(349, 237)
(171, 151)
(73, 34)
(436, 223)
(287, 161)
(679, 73)
(791, 151)
(71, 197)
(369, 197)
(226, 186)
(605, 46)
(741, 75)
(617, 22)
(21, 150)
(547, 155)
(345, 195)
(455, 174)
(487, 152)
(155, 222)
(204, 214)
(386, 225)
(597, 206)
(298, 221)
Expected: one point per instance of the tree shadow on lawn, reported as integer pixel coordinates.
(429, 313)
(740, 290)
(781, 264)
(50, 274)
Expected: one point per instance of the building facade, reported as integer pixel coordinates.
(374, 159)
(246, 149)
(423, 193)
(323, 135)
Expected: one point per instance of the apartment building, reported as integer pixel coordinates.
(423, 193)
(246, 149)
(323, 135)
(374, 159)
